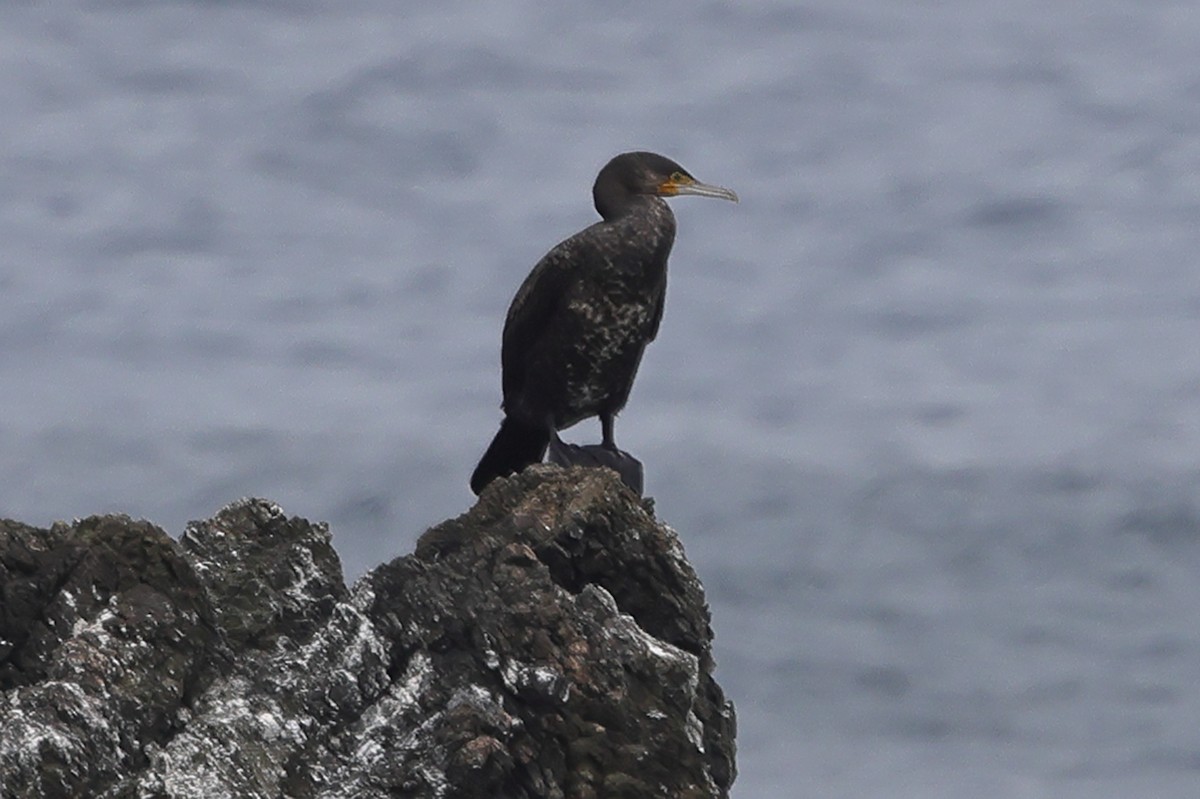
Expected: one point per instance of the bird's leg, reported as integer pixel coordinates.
(606, 432)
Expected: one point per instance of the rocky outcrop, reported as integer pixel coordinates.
(552, 642)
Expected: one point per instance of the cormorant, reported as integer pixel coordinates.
(577, 326)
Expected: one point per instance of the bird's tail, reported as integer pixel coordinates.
(515, 446)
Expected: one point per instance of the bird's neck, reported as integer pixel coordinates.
(645, 233)
(629, 204)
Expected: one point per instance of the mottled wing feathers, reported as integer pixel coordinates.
(539, 298)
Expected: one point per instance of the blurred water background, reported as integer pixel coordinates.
(925, 406)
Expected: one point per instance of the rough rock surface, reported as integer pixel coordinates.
(551, 642)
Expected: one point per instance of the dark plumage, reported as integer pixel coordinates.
(577, 327)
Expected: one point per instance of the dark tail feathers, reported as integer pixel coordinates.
(515, 446)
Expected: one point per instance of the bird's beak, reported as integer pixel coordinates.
(674, 188)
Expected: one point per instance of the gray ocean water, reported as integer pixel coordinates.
(925, 406)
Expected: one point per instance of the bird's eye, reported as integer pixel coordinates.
(679, 177)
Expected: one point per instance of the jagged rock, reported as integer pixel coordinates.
(551, 642)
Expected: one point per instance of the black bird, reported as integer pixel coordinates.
(577, 327)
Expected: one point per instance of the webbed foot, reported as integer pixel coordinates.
(628, 467)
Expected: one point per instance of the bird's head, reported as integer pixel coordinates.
(629, 175)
